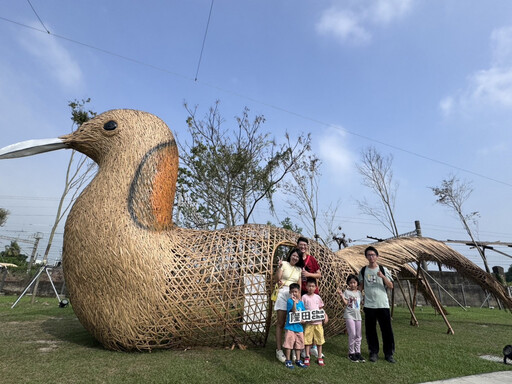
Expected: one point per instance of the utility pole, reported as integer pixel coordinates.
(38, 236)
(418, 228)
(417, 225)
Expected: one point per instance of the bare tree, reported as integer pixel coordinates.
(79, 171)
(453, 193)
(303, 191)
(378, 176)
(227, 173)
(3, 216)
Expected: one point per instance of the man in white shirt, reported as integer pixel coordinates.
(375, 279)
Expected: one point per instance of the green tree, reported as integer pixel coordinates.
(3, 216)
(282, 250)
(508, 274)
(226, 173)
(288, 224)
(79, 114)
(12, 254)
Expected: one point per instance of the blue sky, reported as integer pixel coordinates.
(429, 82)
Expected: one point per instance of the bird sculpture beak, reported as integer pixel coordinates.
(32, 147)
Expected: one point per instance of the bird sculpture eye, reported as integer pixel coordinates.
(110, 125)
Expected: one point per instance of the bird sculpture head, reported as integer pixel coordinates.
(122, 142)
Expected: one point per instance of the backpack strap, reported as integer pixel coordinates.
(381, 267)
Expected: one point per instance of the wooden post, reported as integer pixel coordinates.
(438, 305)
(393, 300)
(409, 290)
(4, 275)
(416, 284)
(439, 294)
(414, 320)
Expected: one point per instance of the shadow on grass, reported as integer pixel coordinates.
(70, 330)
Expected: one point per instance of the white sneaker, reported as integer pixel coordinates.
(314, 351)
(303, 354)
(293, 355)
(280, 355)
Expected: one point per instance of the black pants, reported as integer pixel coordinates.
(383, 316)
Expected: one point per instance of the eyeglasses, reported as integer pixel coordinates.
(371, 254)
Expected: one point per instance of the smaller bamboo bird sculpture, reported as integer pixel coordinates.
(136, 281)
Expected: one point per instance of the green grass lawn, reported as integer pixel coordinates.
(42, 343)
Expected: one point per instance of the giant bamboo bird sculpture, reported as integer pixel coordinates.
(136, 281)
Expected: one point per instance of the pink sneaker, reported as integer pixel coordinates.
(306, 361)
(321, 362)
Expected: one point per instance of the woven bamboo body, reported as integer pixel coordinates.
(137, 282)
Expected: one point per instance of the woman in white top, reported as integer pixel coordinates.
(288, 272)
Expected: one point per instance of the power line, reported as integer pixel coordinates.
(275, 107)
(45, 198)
(369, 220)
(41, 21)
(204, 40)
(102, 50)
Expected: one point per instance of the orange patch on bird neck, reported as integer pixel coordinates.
(164, 188)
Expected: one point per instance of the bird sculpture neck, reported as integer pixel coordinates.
(141, 187)
(152, 190)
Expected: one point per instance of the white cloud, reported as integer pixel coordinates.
(344, 25)
(446, 105)
(501, 45)
(354, 23)
(493, 86)
(488, 87)
(55, 58)
(387, 11)
(493, 150)
(333, 152)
